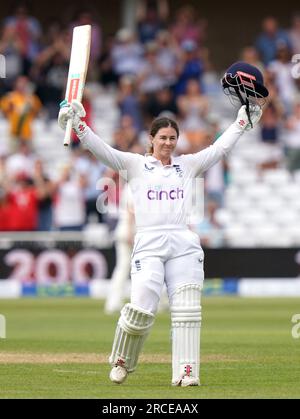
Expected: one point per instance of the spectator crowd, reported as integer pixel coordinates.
(163, 67)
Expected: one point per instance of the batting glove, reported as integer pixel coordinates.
(74, 111)
(242, 120)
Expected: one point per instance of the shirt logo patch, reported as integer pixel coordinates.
(159, 195)
(121, 362)
(178, 169)
(188, 370)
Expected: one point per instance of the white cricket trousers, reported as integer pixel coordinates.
(170, 254)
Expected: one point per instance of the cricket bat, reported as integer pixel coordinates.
(79, 61)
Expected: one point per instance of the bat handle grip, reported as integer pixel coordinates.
(68, 132)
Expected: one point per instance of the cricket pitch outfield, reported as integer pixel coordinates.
(58, 348)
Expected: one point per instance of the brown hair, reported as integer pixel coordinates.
(157, 124)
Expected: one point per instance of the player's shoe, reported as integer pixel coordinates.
(118, 374)
(186, 381)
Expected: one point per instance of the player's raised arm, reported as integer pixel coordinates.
(79, 60)
(117, 160)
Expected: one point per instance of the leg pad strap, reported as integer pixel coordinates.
(186, 323)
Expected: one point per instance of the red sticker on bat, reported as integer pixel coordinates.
(73, 91)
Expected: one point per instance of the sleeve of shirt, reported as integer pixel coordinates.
(206, 158)
(115, 159)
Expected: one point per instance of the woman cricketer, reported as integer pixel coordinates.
(165, 249)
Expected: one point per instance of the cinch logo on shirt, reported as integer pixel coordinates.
(173, 194)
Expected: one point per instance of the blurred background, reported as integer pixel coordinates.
(147, 57)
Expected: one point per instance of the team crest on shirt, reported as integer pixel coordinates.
(178, 169)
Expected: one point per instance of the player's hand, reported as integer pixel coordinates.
(242, 120)
(74, 111)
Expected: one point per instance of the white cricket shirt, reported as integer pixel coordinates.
(163, 195)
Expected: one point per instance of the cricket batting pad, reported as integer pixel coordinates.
(133, 327)
(186, 324)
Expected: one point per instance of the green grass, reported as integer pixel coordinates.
(247, 351)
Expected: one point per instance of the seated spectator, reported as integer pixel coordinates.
(272, 117)
(125, 136)
(188, 27)
(215, 182)
(163, 100)
(50, 72)
(126, 53)
(23, 200)
(22, 161)
(5, 211)
(45, 190)
(128, 101)
(294, 33)
(215, 177)
(209, 230)
(167, 53)
(3, 158)
(151, 75)
(91, 171)
(69, 203)
(11, 49)
(250, 55)
(87, 17)
(87, 104)
(281, 68)
(20, 107)
(27, 32)
(183, 145)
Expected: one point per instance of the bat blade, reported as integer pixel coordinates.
(79, 61)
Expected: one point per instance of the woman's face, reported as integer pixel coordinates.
(164, 142)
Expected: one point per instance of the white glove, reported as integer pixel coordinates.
(74, 111)
(242, 120)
